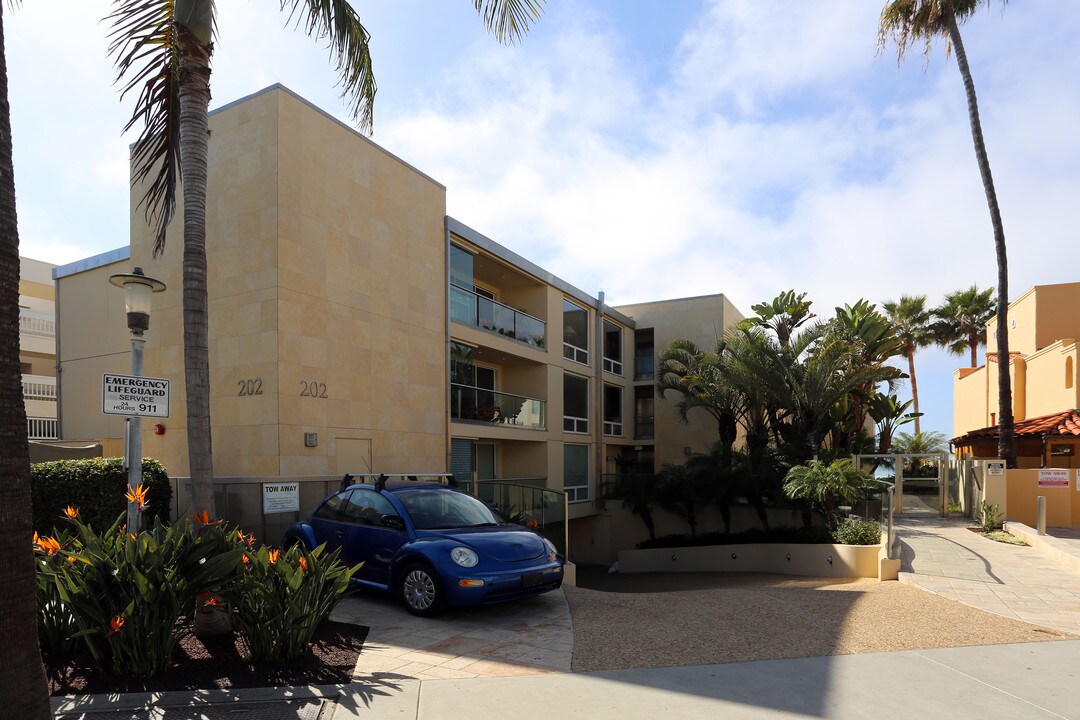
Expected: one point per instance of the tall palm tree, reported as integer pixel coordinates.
(163, 50)
(905, 22)
(22, 676)
(911, 320)
(960, 322)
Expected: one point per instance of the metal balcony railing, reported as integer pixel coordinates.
(39, 326)
(38, 387)
(472, 309)
(480, 405)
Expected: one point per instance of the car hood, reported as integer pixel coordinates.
(501, 544)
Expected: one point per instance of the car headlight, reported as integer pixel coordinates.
(464, 557)
(552, 552)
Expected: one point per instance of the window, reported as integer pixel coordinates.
(575, 404)
(613, 410)
(331, 509)
(1069, 372)
(576, 472)
(612, 348)
(366, 507)
(643, 413)
(575, 333)
(461, 267)
(643, 355)
(467, 456)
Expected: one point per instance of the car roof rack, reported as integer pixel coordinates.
(379, 480)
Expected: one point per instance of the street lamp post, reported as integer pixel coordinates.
(138, 288)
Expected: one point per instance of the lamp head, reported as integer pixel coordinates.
(137, 291)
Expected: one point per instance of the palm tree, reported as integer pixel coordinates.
(638, 493)
(826, 485)
(684, 493)
(163, 50)
(784, 314)
(911, 320)
(22, 676)
(920, 443)
(960, 322)
(906, 21)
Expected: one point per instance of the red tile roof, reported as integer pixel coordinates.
(1066, 422)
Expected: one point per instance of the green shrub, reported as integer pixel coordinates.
(56, 623)
(96, 487)
(280, 597)
(127, 593)
(854, 531)
(989, 517)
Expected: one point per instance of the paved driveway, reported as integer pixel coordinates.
(528, 637)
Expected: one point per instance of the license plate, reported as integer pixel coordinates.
(532, 580)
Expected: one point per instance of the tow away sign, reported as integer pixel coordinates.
(134, 396)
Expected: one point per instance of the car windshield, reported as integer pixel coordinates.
(433, 509)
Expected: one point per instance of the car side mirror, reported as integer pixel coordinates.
(393, 521)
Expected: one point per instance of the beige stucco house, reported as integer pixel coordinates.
(1044, 325)
(355, 327)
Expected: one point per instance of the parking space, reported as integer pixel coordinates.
(528, 637)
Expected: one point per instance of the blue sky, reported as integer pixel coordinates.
(648, 148)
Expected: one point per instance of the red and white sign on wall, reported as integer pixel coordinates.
(1053, 478)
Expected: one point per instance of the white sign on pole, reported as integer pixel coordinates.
(1053, 478)
(134, 396)
(995, 468)
(281, 497)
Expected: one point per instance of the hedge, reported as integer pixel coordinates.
(96, 487)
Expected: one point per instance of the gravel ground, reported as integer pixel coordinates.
(709, 618)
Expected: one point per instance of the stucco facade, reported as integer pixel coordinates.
(1044, 325)
(344, 303)
(37, 347)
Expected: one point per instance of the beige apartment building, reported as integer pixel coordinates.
(1044, 325)
(354, 327)
(37, 347)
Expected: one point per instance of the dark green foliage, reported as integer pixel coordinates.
(96, 487)
(802, 535)
(855, 531)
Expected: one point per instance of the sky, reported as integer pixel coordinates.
(650, 149)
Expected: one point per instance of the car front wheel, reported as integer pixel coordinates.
(420, 590)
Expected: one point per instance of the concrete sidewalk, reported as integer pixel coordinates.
(1032, 680)
(943, 556)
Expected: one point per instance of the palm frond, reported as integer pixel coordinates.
(350, 50)
(509, 20)
(143, 44)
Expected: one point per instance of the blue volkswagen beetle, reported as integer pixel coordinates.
(429, 543)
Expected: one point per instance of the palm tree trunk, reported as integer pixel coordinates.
(22, 676)
(914, 386)
(973, 343)
(1006, 439)
(194, 142)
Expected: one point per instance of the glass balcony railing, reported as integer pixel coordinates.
(472, 309)
(536, 507)
(643, 427)
(644, 368)
(480, 405)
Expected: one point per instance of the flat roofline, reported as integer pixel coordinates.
(682, 299)
(94, 261)
(506, 254)
(346, 126)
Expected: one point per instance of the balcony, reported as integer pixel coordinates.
(474, 404)
(644, 368)
(41, 428)
(37, 325)
(38, 387)
(643, 428)
(471, 309)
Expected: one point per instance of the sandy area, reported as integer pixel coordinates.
(721, 617)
